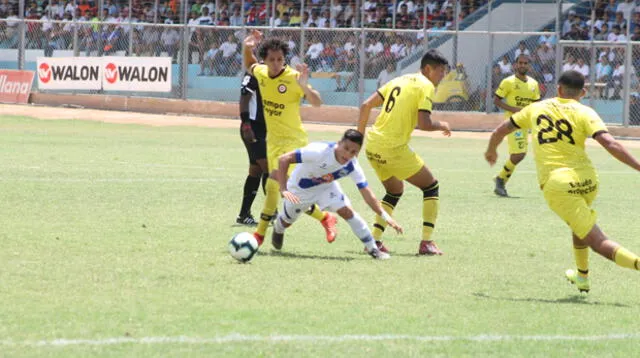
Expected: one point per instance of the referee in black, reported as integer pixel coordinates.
(253, 132)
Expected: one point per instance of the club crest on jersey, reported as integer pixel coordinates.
(518, 134)
(282, 88)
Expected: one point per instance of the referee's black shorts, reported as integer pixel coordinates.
(256, 150)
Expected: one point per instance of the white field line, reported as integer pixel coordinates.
(237, 338)
(112, 180)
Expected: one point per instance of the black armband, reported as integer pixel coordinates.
(244, 117)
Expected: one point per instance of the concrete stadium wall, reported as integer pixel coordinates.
(342, 115)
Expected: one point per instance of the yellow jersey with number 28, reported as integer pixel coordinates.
(403, 97)
(559, 128)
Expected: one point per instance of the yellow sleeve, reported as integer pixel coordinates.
(593, 124)
(522, 119)
(504, 88)
(425, 100)
(536, 93)
(384, 90)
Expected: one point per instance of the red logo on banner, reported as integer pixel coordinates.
(110, 73)
(15, 86)
(44, 72)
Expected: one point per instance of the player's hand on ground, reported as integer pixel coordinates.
(291, 197)
(247, 133)
(491, 157)
(446, 130)
(253, 39)
(303, 79)
(395, 226)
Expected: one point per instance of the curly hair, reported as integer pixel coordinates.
(273, 45)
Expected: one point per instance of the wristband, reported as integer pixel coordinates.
(385, 216)
(244, 117)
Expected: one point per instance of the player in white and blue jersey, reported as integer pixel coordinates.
(313, 181)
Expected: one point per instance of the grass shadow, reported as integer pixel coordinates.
(292, 255)
(572, 299)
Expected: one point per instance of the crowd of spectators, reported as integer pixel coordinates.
(216, 50)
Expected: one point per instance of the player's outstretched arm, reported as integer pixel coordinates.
(250, 43)
(375, 100)
(374, 204)
(491, 155)
(284, 161)
(425, 123)
(617, 150)
(312, 96)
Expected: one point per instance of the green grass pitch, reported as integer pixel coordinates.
(113, 242)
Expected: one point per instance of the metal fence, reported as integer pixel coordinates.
(350, 63)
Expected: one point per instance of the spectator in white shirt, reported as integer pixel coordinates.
(398, 49)
(505, 66)
(312, 56)
(615, 35)
(374, 48)
(229, 50)
(582, 67)
(236, 18)
(411, 7)
(386, 75)
(170, 39)
(205, 19)
(522, 50)
(626, 8)
(569, 65)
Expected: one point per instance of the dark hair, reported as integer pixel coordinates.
(433, 57)
(354, 136)
(526, 57)
(273, 45)
(572, 81)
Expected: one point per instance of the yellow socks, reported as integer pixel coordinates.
(507, 170)
(389, 203)
(581, 254)
(430, 205)
(315, 212)
(626, 258)
(270, 205)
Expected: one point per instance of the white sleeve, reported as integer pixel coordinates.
(310, 153)
(357, 175)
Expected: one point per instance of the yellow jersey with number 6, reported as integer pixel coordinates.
(403, 98)
(559, 129)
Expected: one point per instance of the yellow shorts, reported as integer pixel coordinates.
(569, 193)
(518, 142)
(399, 162)
(275, 150)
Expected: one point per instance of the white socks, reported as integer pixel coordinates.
(360, 228)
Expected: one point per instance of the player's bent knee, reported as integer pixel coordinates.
(392, 199)
(432, 191)
(517, 158)
(345, 212)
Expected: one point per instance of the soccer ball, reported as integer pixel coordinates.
(243, 246)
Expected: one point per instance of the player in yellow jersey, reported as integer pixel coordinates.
(514, 93)
(282, 88)
(406, 103)
(566, 176)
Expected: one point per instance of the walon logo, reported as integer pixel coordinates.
(44, 73)
(111, 73)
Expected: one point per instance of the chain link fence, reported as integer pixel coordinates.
(351, 52)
